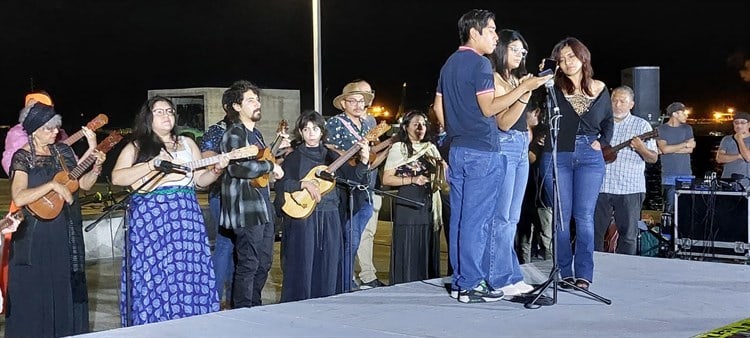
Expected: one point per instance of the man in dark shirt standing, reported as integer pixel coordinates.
(245, 209)
(466, 106)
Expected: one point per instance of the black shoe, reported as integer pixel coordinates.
(372, 284)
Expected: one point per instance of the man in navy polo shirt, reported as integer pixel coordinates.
(466, 106)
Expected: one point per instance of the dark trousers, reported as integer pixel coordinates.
(627, 213)
(253, 247)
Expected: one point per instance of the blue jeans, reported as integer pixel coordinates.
(474, 178)
(579, 178)
(353, 227)
(502, 261)
(223, 256)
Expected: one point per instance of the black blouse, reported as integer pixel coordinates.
(597, 121)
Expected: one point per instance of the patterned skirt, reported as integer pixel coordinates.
(169, 262)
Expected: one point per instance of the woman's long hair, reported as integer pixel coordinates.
(499, 58)
(403, 135)
(587, 72)
(148, 145)
(308, 116)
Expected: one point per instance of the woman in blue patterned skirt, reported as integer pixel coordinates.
(167, 270)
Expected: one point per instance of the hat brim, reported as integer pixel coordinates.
(337, 101)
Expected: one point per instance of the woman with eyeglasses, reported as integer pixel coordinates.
(167, 270)
(47, 293)
(513, 83)
(586, 123)
(412, 166)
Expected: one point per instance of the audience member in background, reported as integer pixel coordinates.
(676, 143)
(734, 151)
(411, 166)
(167, 271)
(47, 293)
(624, 188)
(311, 247)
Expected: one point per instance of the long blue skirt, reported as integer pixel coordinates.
(169, 261)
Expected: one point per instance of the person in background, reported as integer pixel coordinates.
(734, 150)
(311, 247)
(676, 143)
(167, 271)
(411, 166)
(585, 126)
(47, 293)
(624, 188)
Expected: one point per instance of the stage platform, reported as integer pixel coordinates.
(651, 297)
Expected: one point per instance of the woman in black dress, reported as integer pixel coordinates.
(47, 294)
(412, 166)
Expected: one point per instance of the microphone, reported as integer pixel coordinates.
(325, 175)
(169, 167)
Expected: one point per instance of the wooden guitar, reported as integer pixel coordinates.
(96, 123)
(50, 205)
(7, 221)
(239, 153)
(610, 153)
(300, 204)
(269, 154)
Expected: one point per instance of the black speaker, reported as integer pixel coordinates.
(645, 84)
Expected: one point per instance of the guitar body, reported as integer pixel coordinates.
(610, 155)
(263, 180)
(300, 204)
(50, 205)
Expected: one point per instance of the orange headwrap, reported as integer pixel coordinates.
(39, 97)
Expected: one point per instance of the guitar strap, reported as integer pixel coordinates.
(350, 128)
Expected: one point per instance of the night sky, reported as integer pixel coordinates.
(102, 56)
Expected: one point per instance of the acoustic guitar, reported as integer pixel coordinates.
(239, 153)
(7, 221)
(300, 204)
(269, 154)
(610, 153)
(50, 205)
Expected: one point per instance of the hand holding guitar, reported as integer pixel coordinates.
(312, 189)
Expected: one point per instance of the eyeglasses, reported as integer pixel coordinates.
(354, 102)
(518, 50)
(740, 122)
(162, 112)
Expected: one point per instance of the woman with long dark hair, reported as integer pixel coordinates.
(586, 123)
(412, 166)
(167, 270)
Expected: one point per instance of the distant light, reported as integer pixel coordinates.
(730, 110)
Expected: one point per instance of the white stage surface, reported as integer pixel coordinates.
(651, 297)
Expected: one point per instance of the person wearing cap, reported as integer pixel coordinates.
(47, 292)
(624, 187)
(734, 150)
(344, 131)
(676, 143)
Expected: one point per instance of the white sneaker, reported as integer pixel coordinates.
(454, 294)
(523, 287)
(510, 291)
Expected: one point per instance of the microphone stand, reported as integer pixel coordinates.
(554, 116)
(352, 186)
(124, 204)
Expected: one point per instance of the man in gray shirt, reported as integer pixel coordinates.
(675, 143)
(734, 150)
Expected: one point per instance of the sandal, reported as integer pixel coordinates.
(582, 284)
(567, 283)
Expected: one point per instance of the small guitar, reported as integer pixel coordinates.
(610, 153)
(96, 123)
(239, 153)
(300, 204)
(50, 205)
(269, 154)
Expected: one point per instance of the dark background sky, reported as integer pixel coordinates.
(102, 56)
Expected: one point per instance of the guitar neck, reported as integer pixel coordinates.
(343, 158)
(74, 138)
(79, 170)
(382, 145)
(204, 162)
